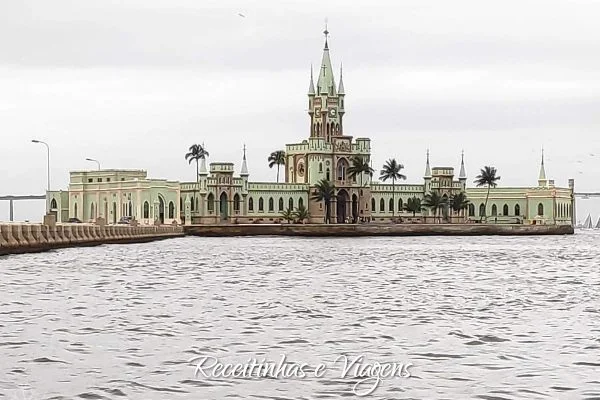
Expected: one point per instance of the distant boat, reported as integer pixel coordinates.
(588, 222)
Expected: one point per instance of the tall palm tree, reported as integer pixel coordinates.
(324, 191)
(487, 177)
(288, 215)
(196, 153)
(459, 202)
(391, 170)
(359, 166)
(277, 158)
(434, 202)
(413, 205)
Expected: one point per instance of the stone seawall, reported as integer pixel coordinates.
(342, 230)
(26, 238)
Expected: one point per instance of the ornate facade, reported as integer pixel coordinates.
(220, 196)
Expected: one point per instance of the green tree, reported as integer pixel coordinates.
(196, 153)
(391, 170)
(434, 202)
(301, 214)
(487, 177)
(325, 192)
(413, 205)
(277, 158)
(359, 166)
(459, 202)
(288, 215)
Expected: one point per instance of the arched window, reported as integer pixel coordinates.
(181, 203)
(372, 204)
(400, 205)
(75, 210)
(211, 202)
(291, 203)
(261, 204)
(481, 209)
(337, 129)
(271, 204)
(236, 202)
(342, 167)
(327, 175)
(328, 130)
(471, 210)
(250, 204)
(505, 209)
(193, 203)
(171, 210)
(382, 205)
(494, 210)
(391, 208)
(517, 210)
(146, 209)
(53, 204)
(300, 202)
(320, 167)
(540, 209)
(198, 203)
(280, 208)
(92, 211)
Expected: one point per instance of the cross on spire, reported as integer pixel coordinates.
(326, 33)
(244, 151)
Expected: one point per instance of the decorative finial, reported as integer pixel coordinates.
(244, 151)
(542, 155)
(428, 154)
(326, 33)
(462, 155)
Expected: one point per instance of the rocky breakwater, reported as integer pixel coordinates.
(28, 237)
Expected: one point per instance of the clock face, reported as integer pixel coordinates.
(332, 112)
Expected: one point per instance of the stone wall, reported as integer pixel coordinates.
(25, 238)
(377, 230)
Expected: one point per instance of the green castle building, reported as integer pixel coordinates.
(221, 196)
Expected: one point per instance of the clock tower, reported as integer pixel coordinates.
(326, 102)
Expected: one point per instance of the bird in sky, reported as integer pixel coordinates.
(241, 15)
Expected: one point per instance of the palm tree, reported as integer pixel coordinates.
(391, 170)
(487, 177)
(360, 166)
(288, 215)
(196, 153)
(324, 191)
(301, 213)
(277, 158)
(459, 202)
(434, 202)
(413, 205)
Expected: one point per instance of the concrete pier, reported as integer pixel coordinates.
(26, 238)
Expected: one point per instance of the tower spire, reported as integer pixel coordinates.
(463, 174)
(244, 171)
(311, 86)
(542, 178)
(326, 82)
(427, 168)
(341, 87)
(326, 33)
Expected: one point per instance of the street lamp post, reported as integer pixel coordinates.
(92, 160)
(48, 149)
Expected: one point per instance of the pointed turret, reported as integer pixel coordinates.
(542, 181)
(244, 171)
(463, 174)
(203, 170)
(326, 82)
(427, 168)
(341, 87)
(311, 86)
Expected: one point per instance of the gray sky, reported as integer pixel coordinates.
(133, 83)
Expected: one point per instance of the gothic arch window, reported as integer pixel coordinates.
(382, 205)
(320, 167)
(271, 204)
(53, 204)
(400, 205)
(291, 203)
(193, 205)
(332, 129)
(372, 204)
(505, 209)
(517, 210)
(75, 210)
(337, 129)
(181, 203)
(391, 208)
(540, 209)
(236, 202)
(92, 211)
(481, 209)
(146, 209)
(471, 210)
(341, 103)
(171, 210)
(494, 210)
(342, 167)
(327, 175)
(261, 204)
(211, 202)
(300, 202)
(250, 204)
(328, 132)
(280, 208)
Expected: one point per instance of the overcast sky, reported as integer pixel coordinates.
(134, 83)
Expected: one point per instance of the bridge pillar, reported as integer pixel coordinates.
(11, 208)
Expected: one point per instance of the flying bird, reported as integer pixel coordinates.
(241, 15)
